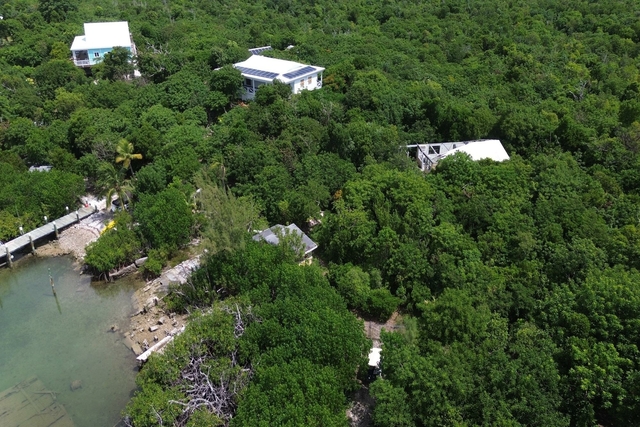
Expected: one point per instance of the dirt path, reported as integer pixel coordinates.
(359, 412)
(372, 329)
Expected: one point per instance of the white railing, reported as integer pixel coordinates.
(81, 62)
(319, 84)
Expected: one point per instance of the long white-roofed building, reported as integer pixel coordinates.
(259, 70)
(428, 155)
(100, 38)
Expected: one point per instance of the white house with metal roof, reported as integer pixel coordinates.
(259, 70)
(428, 155)
(100, 38)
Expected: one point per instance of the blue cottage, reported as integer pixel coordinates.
(100, 38)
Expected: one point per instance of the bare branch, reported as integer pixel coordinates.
(216, 395)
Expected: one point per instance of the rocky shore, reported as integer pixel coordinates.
(150, 321)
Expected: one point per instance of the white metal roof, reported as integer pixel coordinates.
(98, 35)
(374, 356)
(428, 155)
(484, 149)
(263, 68)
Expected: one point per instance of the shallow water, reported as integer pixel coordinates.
(68, 339)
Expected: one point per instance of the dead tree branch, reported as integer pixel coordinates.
(216, 395)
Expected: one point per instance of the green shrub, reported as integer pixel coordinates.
(115, 247)
(157, 259)
(381, 304)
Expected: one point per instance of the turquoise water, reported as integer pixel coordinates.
(68, 339)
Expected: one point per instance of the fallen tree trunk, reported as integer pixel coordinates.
(132, 268)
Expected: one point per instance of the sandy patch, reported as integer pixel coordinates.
(74, 240)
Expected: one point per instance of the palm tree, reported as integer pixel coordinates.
(112, 182)
(125, 154)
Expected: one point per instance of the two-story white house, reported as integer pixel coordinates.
(100, 38)
(259, 70)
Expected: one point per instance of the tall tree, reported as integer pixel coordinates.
(165, 218)
(116, 64)
(226, 219)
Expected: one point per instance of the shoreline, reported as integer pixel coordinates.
(149, 321)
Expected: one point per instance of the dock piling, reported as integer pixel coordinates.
(9, 262)
(33, 248)
(53, 288)
(55, 229)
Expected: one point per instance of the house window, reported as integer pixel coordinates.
(248, 82)
(96, 54)
(302, 83)
(310, 80)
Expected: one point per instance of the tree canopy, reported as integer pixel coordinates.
(515, 281)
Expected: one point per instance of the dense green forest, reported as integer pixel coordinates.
(518, 281)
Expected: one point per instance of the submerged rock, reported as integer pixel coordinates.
(75, 385)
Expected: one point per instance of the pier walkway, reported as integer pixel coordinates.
(28, 240)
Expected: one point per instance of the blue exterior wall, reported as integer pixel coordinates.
(97, 59)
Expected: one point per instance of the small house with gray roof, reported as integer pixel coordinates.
(274, 234)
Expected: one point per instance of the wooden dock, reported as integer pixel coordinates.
(28, 240)
(30, 404)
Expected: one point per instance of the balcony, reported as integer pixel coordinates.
(82, 62)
